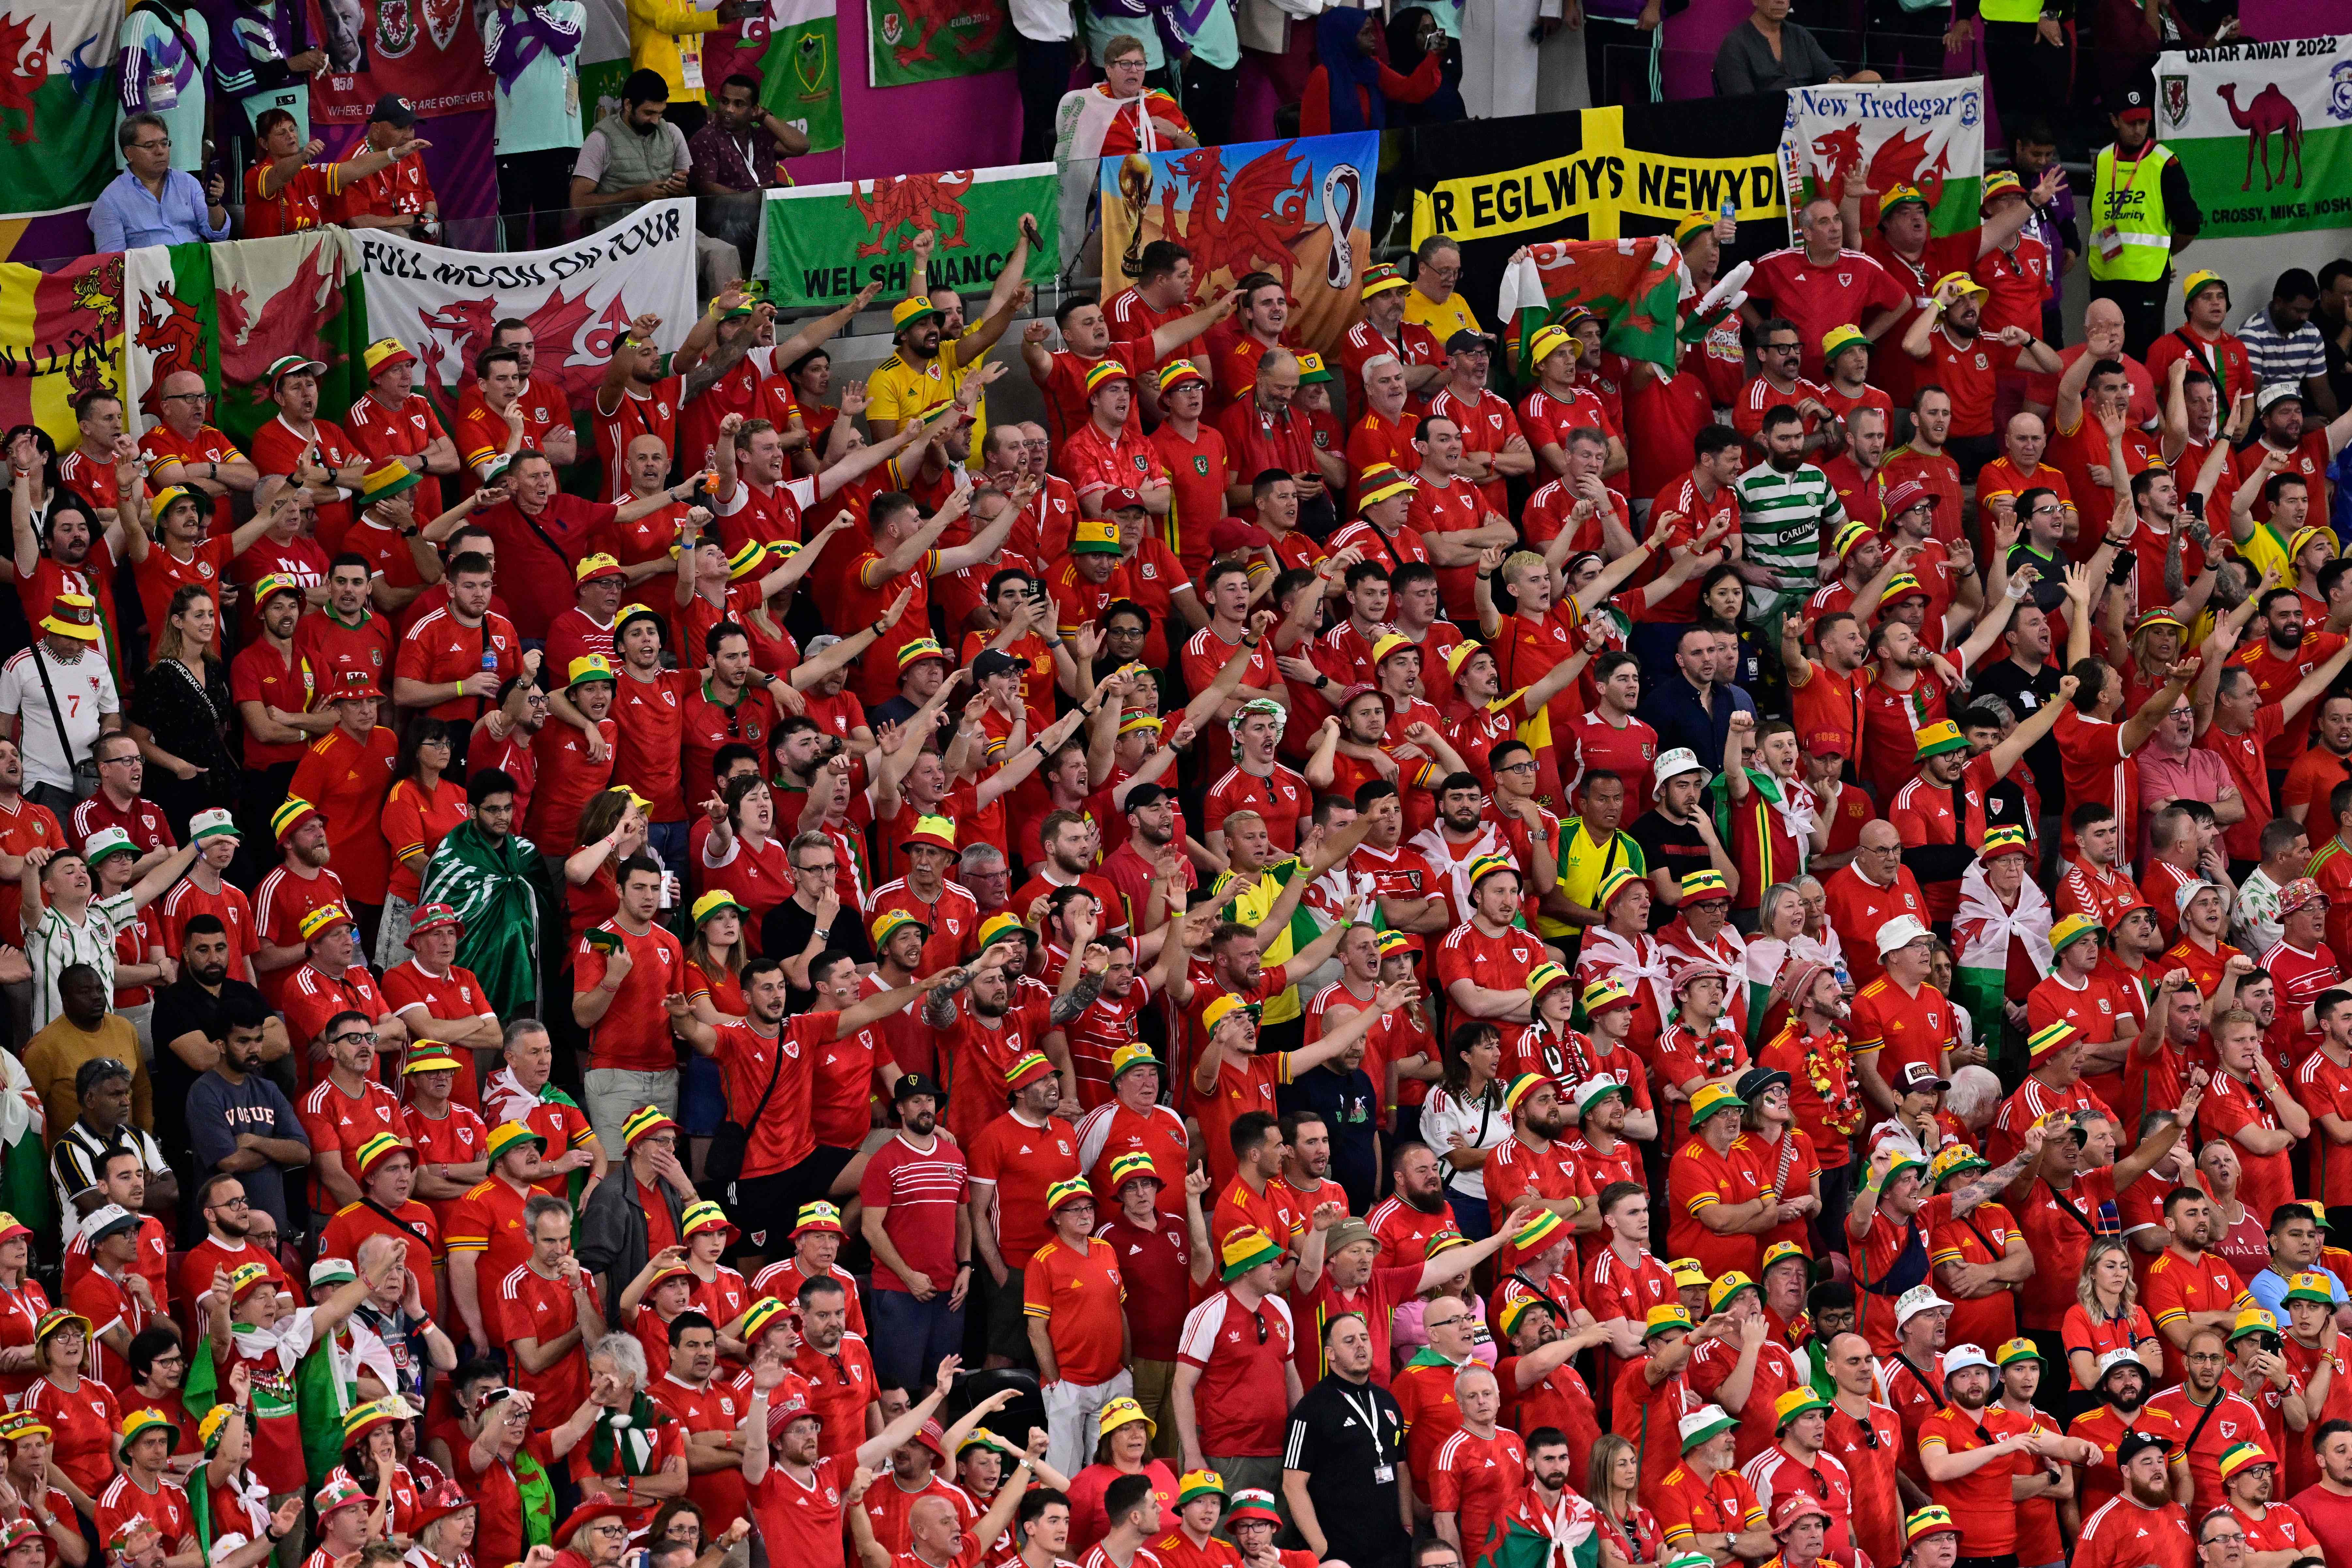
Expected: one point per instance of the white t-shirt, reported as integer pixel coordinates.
(86, 694)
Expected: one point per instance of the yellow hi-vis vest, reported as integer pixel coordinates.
(2027, 12)
(2130, 240)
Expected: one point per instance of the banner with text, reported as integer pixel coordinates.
(577, 298)
(2263, 131)
(226, 312)
(1595, 174)
(60, 336)
(1929, 135)
(822, 244)
(427, 51)
(1300, 209)
(910, 41)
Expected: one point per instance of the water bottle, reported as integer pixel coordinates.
(668, 881)
(1730, 209)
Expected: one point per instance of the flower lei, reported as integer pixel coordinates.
(1719, 1053)
(1831, 1075)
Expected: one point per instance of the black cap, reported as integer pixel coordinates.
(394, 110)
(1758, 1082)
(996, 661)
(2134, 1444)
(1467, 341)
(913, 1085)
(2136, 100)
(1144, 795)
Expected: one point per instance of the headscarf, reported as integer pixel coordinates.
(1348, 68)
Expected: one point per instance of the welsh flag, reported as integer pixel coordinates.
(60, 336)
(228, 311)
(799, 73)
(1636, 286)
(1530, 1540)
(1929, 135)
(56, 106)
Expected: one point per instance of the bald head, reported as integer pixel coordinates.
(2027, 425)
(1880, 835)
(932, 1523)
(2103, 313)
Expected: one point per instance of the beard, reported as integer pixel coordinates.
(1785, 462)
(2126, 1401)
(921, 1122)
(2151, 1494)
(1433, 1202)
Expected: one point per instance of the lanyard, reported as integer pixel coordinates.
(1369, 1411)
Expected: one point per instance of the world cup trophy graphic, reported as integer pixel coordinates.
(1134, 190)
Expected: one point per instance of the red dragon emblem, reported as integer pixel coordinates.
(1837, 158)
(290, 322)
(914, 203)
(168, 329)
(461, 329)
(1240, 224)
(24, 70)
(927, 17)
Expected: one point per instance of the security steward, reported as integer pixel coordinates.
(2142, 214)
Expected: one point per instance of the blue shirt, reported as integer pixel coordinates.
(2268, 1289)
(1672, 707)
(126, 214)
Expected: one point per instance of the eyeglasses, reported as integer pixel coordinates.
(187, 397)
(126, 758)
(158, 144)
(351, 1036)
(240, 1201)
(827, 869)
(609, 1530)
(1517, 768)
(1776, 348)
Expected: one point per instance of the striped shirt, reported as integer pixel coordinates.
(1782, 517)
(55, 944)
(2294, 357)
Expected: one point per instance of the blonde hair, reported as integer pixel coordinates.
(2086, 1291)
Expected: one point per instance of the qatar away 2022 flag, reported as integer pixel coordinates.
(2263, 131)
(1926, 134)
(822, 244)
(56, 104)
(910, 41)
(226, 312)
(577, 298)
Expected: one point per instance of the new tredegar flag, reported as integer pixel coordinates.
(1929, 135)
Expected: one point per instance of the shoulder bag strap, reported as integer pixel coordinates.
(774, 1072)
(2067, 1208)
(2207, 1415)
(65, 744)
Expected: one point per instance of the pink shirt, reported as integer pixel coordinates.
(2197, 774)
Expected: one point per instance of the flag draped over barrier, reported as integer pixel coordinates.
(2263, 131)
(1299, 209)
(825, 243)
(60, 336)
(800, 68)
(928, 40)
(428, 51)
(577, 298)
(1929, 135)
(1596, 174)
(226, 312)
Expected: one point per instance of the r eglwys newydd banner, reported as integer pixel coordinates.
(2263, 131)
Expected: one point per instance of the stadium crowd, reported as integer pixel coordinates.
(1735, 961)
